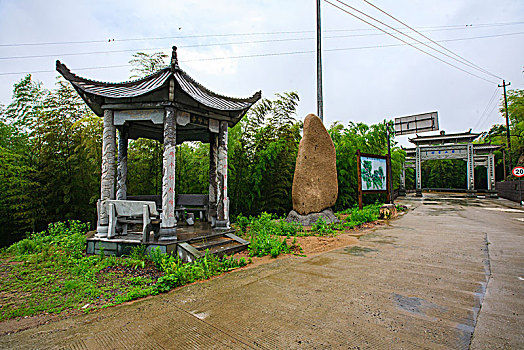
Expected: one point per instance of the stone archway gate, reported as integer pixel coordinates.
(450, 146)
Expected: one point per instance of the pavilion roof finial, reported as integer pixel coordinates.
(174, 60)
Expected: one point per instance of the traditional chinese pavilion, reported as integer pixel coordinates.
(171, 107)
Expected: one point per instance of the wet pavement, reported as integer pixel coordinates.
(448, 274)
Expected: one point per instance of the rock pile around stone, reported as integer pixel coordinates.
(315, 184)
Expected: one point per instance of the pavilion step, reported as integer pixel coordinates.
(223, 244)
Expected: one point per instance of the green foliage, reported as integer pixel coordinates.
(357, 217)
(265, 234)
(69, 237)
(367, 139)
(178, 274)
(262, 155)
(49, 273)
(322, 228)
(445, 173)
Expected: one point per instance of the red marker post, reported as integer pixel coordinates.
(518, 171)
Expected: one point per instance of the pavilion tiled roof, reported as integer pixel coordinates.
(467, 136)
(156, 81)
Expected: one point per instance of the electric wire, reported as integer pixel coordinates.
(490, 112)
(216, 44)
(402, 40)
(480, 120)
(266, 54)
(434, 42)
(409, 36)
(456, 26)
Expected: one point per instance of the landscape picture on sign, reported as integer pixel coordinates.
(373, 172)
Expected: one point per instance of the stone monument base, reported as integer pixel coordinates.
(310, 219)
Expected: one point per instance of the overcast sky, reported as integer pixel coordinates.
(360, 84)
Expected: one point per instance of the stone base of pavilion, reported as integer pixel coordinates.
(192, 242)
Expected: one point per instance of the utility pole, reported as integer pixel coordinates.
(320, 107)
(390, 179)
(508, 140)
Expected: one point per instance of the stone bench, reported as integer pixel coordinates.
(197, 203)
(124, 212)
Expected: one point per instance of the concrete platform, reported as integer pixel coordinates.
(122, 245)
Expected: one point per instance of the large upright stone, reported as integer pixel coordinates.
(315, 185)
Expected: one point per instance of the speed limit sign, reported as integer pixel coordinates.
(518, 171)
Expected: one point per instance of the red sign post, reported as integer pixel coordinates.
(518, 171)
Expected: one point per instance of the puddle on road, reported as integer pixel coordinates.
(443, 211)
(415, 304)
(319, 261)
(359, 251)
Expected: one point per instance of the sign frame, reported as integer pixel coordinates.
(359, 176)
(416, 123)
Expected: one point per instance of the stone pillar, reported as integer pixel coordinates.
(168, 223)
(121, 186)
(470, 170)
(213, 181)
(402, 185)
(491, 176)
(222, 199)
(107, 183)
(418, 172)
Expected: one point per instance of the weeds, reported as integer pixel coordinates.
(266, 234)
(322, 228)
(48, 272)
(178, 274)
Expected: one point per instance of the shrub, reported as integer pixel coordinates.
(264, 236)
(178, 274)
(322, 228)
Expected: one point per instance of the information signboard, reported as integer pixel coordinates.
(372, 173)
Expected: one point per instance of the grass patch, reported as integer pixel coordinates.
(266, 235)
(48, 273)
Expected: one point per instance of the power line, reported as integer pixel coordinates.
(410, 37)
(271, 54)
(417, 48)
(99, 41)
(221, 44)
(434, 42)
(487, 115)
(480, 120)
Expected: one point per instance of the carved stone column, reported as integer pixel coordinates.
(470, 170)
(222, 198)
(491, 175)
(213, 181)
(418, 172)
(107, 183)
(121, 186)
(402, 185)
(168, 223)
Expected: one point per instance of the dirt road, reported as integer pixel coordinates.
(449, 274)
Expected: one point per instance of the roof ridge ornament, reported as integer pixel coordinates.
(174, 60)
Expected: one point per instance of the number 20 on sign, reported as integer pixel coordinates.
(518, 171)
